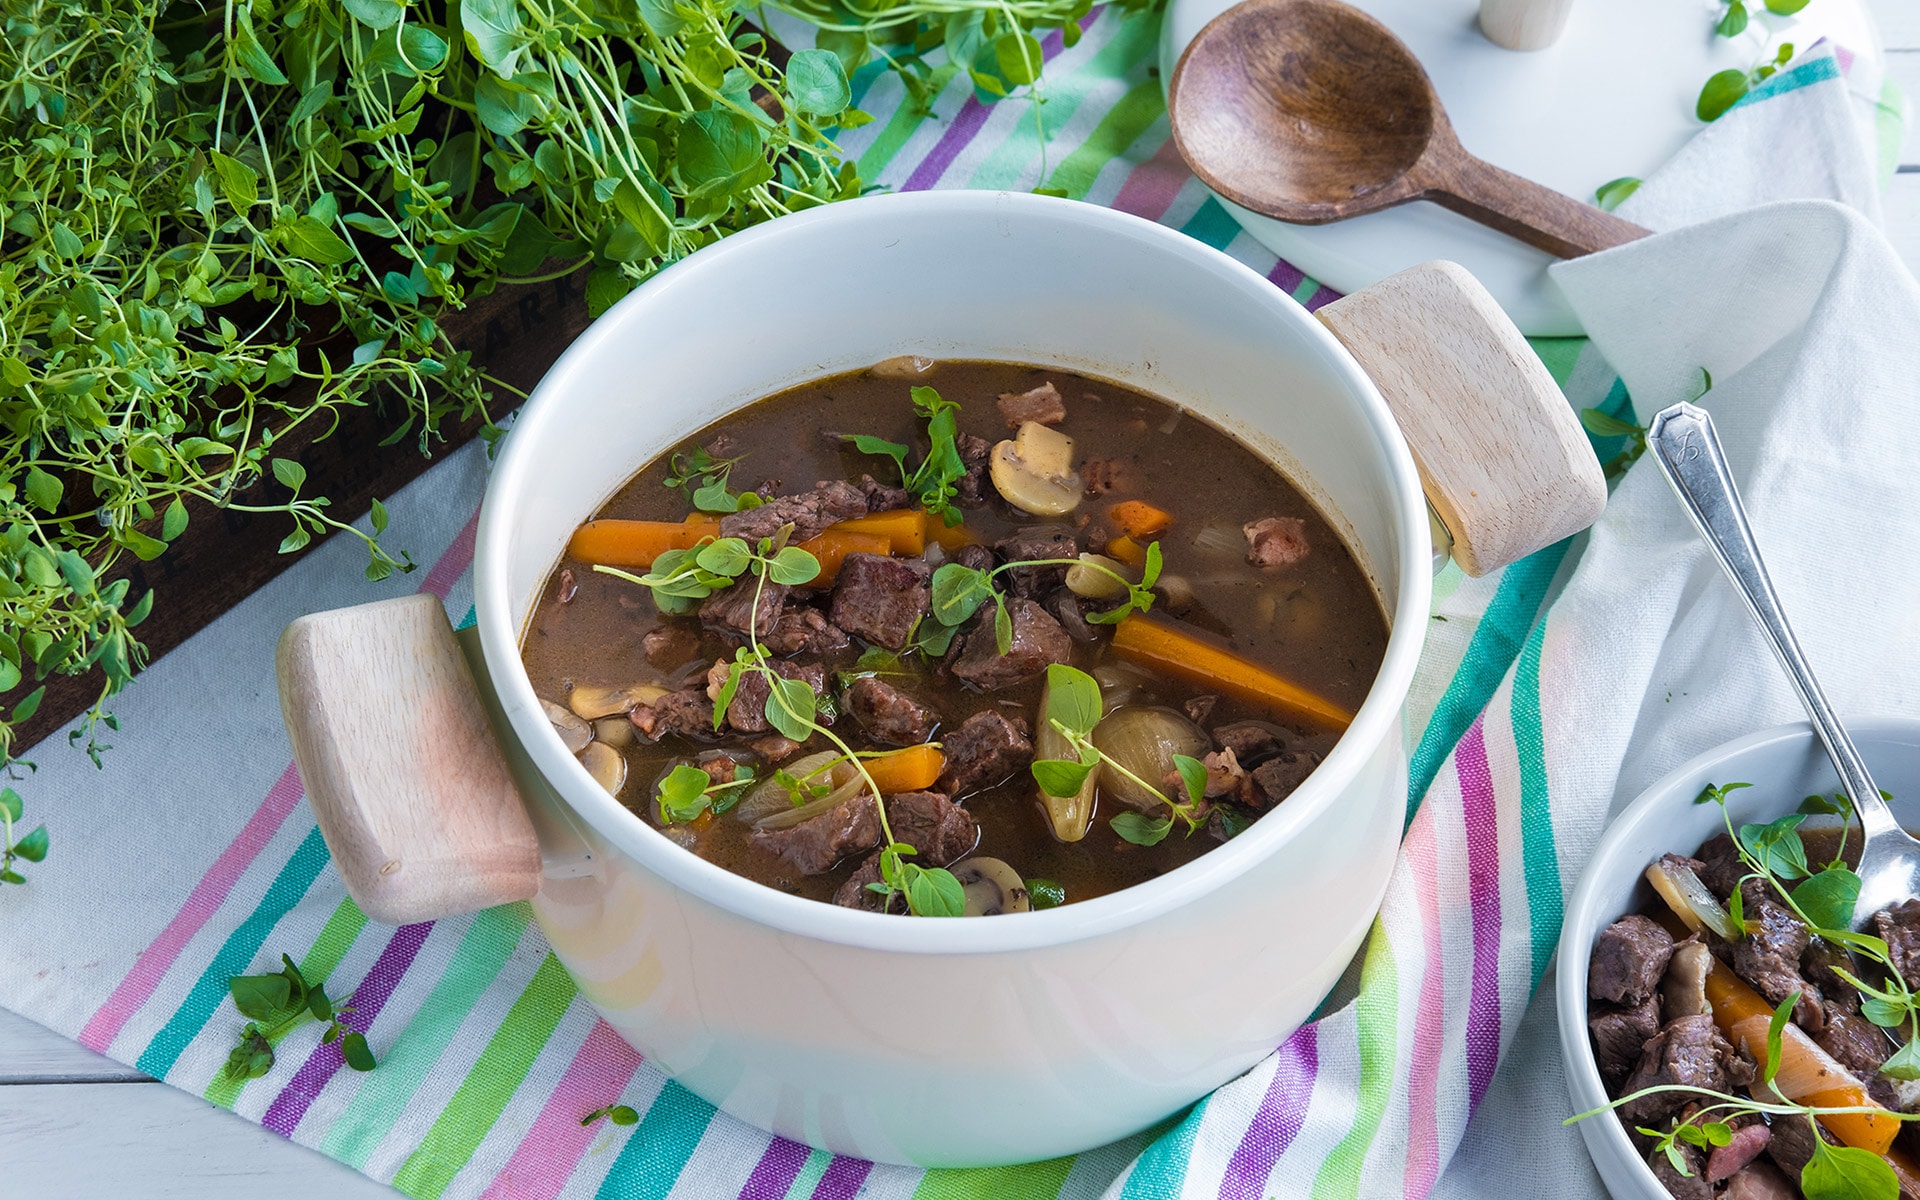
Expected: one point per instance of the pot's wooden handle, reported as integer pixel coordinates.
(1501, 454)
(1524, 24)
(400, 766)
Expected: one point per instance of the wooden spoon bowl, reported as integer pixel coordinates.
(1311, 111)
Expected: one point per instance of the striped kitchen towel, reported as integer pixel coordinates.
(188, 857)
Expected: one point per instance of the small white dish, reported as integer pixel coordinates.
(1613, 97)
(1785, 764)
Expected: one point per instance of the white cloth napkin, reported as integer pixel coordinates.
(1810, 327)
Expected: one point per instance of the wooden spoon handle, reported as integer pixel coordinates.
(1501, 455)
(1536, 214)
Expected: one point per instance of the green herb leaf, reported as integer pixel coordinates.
(1904, 1063)
(33, 847)
(817, 81)
(683, 793)
(1734, 22)
(1140, 829)
(1612, 193)
(1193, 773)
(790, 707)
(867, 444)
(43, 490)
(1828, 898)
(1002, 625)
(1782, 1013)
(262, 997)
(318, 1004)
(793, 567)
(1884, 1013)
(353, 1048)
(958, 592)
(1776, 846)
(1060, 777)
(10, 804)
(493, 32)
(1847, 1173)
(1822, 806)
(621, 1114)
(1045, 893)
(1720, 93)
(1785, 8)
(724, 556)
(1073, 699)
(934, 892)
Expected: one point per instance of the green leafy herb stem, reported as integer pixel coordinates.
(619, 1114)
(280, 1003)
(29, 847)
(959, 591)
(933, 481)
(1074, 702)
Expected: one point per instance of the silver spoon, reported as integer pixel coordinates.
(1683, 442)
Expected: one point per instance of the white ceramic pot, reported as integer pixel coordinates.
(985, 1041)
(1785, 764)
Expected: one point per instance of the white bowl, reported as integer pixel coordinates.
(959, 1042)
(1785, 764)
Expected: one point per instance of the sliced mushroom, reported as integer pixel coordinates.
(1685, 989)
(1034, 471)
(992, 887)
(607, 766)
(901, 366)
(574, 733)
(592, 701)
(617, 731)
(1093, 584)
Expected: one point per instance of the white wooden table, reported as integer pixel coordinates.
(74, 1124)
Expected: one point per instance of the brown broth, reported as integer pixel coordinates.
(1319, 623)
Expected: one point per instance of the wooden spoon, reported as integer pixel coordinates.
(1311, 111)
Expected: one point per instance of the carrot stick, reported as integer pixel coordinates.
(1180, 653)
(906, 528)
(1140, 519)
(911, 770)
(637, 543)
(832, 545)
(1127, 551)
(1807, 1074)
(950, 537)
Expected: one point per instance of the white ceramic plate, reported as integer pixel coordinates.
(1614, 96)
(1785, 764)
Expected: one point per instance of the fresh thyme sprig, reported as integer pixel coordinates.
(31, 847)
(1073, 700)
(280, 1003)
(959, 591)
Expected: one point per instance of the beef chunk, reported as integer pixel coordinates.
(883, 497)
(971, 489)
(1689, 1052)
(1769, 956)
(1276, 541)
(1226, 778)
(1817, 967)
(1900, 927)
(774, 748)
(1071, 611)
(1042, 404)
(881, 598)
(1620, 1034)
(827, 504)
(1199, 709)
(748, 712)
(1690, 1186)
(732, 609)
(1732, 1158)
(1791, 1146)
(974, 557)
(1629, 957)
(669, 645)
(854, 893)
(1855, 1042)
(1032, 542)
(1275, 779)
(1760, 1181)
(888, 714)
(1038, 642)
(803, 630)
(1098, 476)
(1252, 742)
(1718, 865)
(820, 841)
(688, 713)
(986, 749)
(938, 829)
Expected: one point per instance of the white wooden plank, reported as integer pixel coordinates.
(157, 1143)
(31, 1053)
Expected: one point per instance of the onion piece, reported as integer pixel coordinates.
(1093, 584)
(1144, 740)
(1071, 815)
(768, 796)
(1689, 899)
(790, 817)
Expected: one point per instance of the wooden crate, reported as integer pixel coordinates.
(223, 556)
